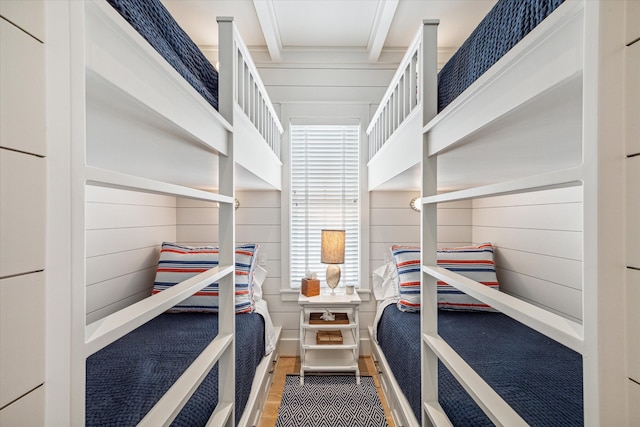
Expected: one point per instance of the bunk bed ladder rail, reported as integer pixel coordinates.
(400, 100)
(248, 91)
(222, 349)
(561, 329)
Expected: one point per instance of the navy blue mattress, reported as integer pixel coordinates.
(539, 378)
(126, 378)
(157, 26)
(504, 26)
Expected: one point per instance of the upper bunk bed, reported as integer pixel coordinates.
(151, 115)
(531, 87)
(544, 116)
(152, 84)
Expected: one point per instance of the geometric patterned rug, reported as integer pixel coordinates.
(330, 401)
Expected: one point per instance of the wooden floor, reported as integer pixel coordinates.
(291, 365)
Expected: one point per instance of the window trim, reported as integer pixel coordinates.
(324, 113)
(352, 265)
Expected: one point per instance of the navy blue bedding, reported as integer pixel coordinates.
(152, 20)
(539, 378)
(125, 379)
(504, 26)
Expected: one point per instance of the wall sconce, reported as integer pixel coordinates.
(237, 204)
(415, 204)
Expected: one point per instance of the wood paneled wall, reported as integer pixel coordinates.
(632, 209)
(23, 213)
(393, 222)
(538, 237)
(257, 221)
(124, 232)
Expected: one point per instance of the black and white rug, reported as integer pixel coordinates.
(330, 401)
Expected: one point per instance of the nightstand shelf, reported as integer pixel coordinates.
(338, 357)
(348, 342)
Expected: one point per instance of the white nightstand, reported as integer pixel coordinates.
(329, 357)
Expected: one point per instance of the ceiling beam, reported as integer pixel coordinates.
(384, 16)
(267, 17)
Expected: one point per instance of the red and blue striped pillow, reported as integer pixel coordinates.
(178, 263)
(473, 262)
(407, 260)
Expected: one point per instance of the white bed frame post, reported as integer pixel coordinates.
(78, 217)
(605, 398)
(65, 362)
(226, 316)
(428, 78)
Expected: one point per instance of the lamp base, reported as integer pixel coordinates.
(333, 277)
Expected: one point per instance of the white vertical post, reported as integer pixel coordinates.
(226, 80)
(605, 399)
(429, 309)
(65, 364)
(226, 177)
(77, 221)
(240, 85)
(414, 82)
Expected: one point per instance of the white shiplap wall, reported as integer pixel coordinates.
(532, 233)
(393, 222)
(257, 221)
(538, 239)
(23, 207)
(632, 226)
(124, 232)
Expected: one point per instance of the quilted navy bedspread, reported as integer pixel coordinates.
(157, 26)
(539, 378)
(504, 26)
(126, 378)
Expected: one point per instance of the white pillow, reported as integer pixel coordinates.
(259, 274)
(385, 282)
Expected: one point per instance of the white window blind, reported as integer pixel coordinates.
(324, 195)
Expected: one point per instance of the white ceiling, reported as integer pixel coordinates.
(367, 26)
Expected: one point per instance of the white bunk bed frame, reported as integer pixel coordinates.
(114, 85)
(568, 87)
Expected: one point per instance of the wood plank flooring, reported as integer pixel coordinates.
(291, 365)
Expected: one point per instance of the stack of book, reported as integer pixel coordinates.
(329, 337)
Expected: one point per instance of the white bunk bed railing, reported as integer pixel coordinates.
(568, 332)
(400, 100)
(110, 328)
(222, 348)
(170, 404)
(249, 93)
(559, 328)
(491, 403)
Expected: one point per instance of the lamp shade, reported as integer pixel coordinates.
(332, 247)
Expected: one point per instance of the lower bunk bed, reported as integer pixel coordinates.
(127, 378)
(540, 378)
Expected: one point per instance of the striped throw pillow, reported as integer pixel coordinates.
(407, 261)
(178, 263)
(473, 262)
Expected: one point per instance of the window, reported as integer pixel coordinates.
(324, 195)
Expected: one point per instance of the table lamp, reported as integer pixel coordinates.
(332, 254)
